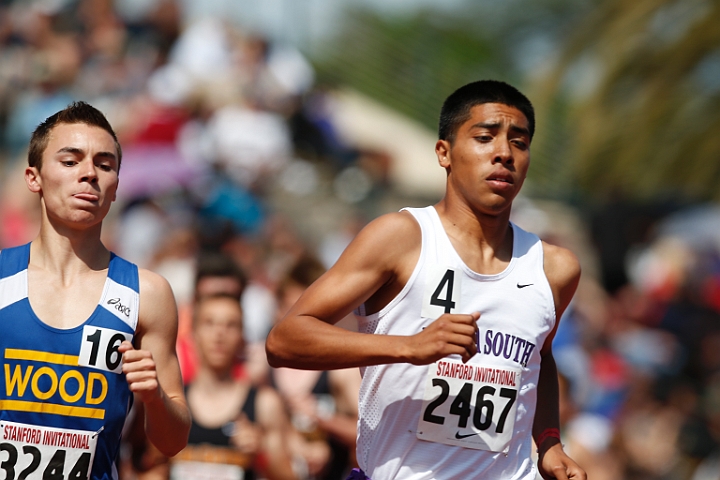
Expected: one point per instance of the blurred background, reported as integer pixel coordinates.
(273, 131)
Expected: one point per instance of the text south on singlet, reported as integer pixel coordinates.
(477, 373)
(37, 436)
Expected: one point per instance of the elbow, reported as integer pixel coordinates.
(175, 446)
(276, 354)
(291, 346)
(171, 445)
(172, 451)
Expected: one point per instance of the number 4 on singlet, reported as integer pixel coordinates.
(442, 291)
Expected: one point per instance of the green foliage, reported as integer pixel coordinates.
(411, 64)
(642, 81)
(627, 92)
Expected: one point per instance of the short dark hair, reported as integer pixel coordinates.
(76, 112)
(456, 109)
(219, 264)
(215, 296)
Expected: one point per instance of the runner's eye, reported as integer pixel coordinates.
(520, 144)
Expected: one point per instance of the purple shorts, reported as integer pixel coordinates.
(357, 474)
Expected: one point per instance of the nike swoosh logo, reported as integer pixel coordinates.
(460, 437)
(523, 286)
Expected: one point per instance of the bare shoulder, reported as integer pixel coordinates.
(394, 231)
(152, 284)
(562, 267)
(380, 260)
(157, 302)
(562, 270)
(383, 244)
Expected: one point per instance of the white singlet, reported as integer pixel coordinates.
(451, 420)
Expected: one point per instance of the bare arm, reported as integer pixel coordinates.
(563, 273)
(375, 266)
(152, 370)
(272, 418)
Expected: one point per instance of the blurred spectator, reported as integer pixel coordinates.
(323, 405)
(238, 431)
(215, 120)
(588, 437)
(249, 143)
(215, 274)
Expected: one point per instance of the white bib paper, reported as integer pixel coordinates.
(470, 406)
(99, 348)
(36, 452)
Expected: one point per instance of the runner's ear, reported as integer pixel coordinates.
(442, 150)
(32, 179)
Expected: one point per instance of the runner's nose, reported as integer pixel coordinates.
(89, 173)
(503, 152)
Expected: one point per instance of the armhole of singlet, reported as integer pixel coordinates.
(552, 310)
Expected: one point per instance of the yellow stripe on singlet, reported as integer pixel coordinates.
(58, 358)
(64, 410)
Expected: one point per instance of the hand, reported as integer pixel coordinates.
(554, 463)
(140, 372)
(449, 334)
(247, 436)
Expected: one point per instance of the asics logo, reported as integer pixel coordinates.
(125, 310)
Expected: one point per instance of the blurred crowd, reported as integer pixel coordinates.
(640, 359)
(213, 120)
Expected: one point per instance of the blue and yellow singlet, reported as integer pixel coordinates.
(63, 398)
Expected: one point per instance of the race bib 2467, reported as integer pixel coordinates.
(470, 406)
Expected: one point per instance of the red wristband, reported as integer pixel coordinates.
(547, 433)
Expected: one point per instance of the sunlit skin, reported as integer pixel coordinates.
(78, 179)
(77, 182)
(486, 164)
(296, 387)
(488, 159)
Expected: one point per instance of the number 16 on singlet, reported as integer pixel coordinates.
(99, 348)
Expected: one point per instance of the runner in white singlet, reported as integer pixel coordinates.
(457, 310)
